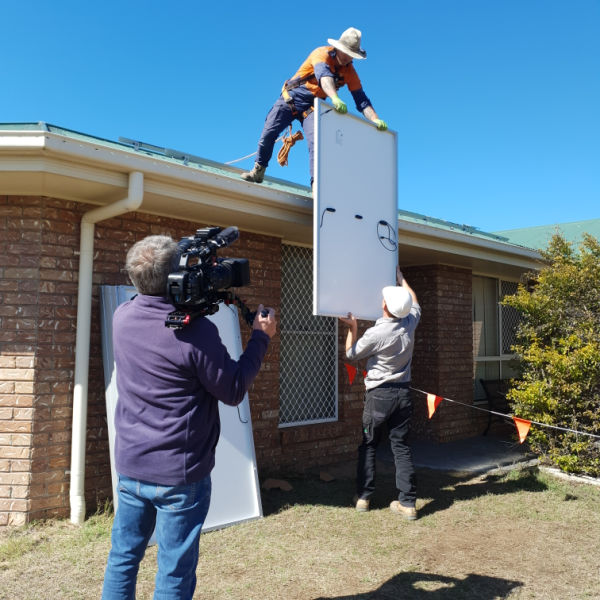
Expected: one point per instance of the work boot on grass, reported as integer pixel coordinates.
(361, 504)
(256, 175)
(408, 512)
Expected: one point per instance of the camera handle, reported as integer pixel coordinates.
(247, 314)
(180, 318)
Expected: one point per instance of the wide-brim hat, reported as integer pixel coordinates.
(398, 300)
(349, 43)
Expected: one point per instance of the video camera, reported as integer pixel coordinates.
(199, 284)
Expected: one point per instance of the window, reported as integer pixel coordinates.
(494, 328)
(309, 358)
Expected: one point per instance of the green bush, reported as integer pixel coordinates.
(559, 350)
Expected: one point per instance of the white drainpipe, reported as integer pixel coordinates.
(132, 202)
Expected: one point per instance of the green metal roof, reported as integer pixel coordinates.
(538, 237)
(412, 217)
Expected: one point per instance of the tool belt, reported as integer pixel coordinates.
(290, 85)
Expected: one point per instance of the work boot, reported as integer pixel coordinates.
(408, 512)
(256, 175)
(361, 504)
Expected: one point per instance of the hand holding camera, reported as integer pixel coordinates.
(265, 320)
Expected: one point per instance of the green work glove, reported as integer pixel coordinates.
(381, 124)
(339, 105)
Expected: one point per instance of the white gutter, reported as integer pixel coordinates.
(130, 203)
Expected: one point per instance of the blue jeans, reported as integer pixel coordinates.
(176, 514)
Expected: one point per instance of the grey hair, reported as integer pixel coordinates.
(149, 263)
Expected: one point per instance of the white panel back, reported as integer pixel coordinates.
(355, 222)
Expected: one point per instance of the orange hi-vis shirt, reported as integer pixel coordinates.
(322, 62)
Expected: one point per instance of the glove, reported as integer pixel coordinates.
(381, 124)
(339, 105)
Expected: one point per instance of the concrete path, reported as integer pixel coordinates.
(478, 454)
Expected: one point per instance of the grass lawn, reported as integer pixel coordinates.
(519, 535)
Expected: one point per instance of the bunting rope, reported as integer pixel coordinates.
(522, 425)
(509, 417)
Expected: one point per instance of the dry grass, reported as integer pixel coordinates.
(522, 535)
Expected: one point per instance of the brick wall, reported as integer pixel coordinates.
(298, 449)
(443, 360)
(37, 282)
(39, 244)
(38, 308)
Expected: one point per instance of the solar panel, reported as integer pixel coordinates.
(355, 220)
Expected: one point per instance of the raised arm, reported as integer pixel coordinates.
(352, 330)
(401, 281)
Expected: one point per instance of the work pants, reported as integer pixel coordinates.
(278, 118)
(387, 405)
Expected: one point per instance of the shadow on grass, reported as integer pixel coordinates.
(440, 489)
(428, 586)
(437, 490)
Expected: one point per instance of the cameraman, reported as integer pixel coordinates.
(167, 424)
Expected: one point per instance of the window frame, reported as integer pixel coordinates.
(501, 358)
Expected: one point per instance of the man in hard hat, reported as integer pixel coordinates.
(321, 75)
(388, 348)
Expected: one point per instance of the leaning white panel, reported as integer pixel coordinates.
(235, 487)
(355, 220)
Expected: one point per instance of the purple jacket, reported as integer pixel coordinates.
(169, 383)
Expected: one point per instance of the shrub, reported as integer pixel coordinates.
(559, 350)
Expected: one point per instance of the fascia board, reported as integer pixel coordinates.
(25, 140)
(159, 168)
(453, 242)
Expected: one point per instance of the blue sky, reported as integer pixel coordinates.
(496, 102)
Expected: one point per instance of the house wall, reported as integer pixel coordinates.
(443, 356)
(39, 244)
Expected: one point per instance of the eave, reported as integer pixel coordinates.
(89, 170)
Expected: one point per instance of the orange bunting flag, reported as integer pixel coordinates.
(351, 372)
(433, 402)
(523, 426)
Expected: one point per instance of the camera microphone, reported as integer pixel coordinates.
(227, 236)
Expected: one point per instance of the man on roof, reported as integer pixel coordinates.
(321, 75)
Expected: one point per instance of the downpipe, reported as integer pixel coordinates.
(131, 202)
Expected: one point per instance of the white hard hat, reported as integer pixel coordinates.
(398, 300)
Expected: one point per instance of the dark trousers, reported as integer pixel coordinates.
(391, 406)
(279, 117)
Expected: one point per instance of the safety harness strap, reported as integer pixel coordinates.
(291, 84)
